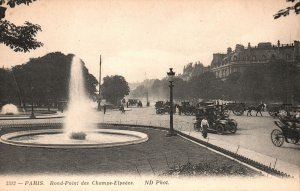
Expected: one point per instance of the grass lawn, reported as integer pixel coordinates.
(156, 156)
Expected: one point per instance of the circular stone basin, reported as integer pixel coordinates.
(56, 138)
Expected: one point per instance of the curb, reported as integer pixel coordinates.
(248, 161)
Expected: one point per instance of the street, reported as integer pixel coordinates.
(252, 139)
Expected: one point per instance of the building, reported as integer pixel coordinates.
(239, 59)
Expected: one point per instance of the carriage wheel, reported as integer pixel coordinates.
(220, 129)
(294, 140)
(226, 112)
(277, 137)
(272, 113)
(233, 129)
(238, 111)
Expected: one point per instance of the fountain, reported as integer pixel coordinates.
(78, 131)
(79, 113)
(9, 109)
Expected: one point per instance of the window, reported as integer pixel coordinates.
(253, 58)
(263, 58)
(288, 56)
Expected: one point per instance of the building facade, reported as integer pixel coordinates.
(237, 60)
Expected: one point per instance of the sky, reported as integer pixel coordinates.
(141, 39)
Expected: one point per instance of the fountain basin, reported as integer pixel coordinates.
(56, 138)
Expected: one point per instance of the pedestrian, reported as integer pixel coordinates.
(122, 109)
(104, 109)
(204, 125)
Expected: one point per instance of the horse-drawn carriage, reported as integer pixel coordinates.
(289, 131)
(162, 107)
(134, 102)
(218, 121)
(186, 108)
(275, 108)
(237, 109)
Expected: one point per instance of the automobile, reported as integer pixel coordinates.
(159, 104)
(218, 122)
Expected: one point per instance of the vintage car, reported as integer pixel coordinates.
(218, 122)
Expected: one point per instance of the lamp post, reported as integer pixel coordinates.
(32, 116)
(171, 74)
(99, 95)
(48, 99)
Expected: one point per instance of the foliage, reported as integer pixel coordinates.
(140, 91)
(114, 88)
(46, 79)
(270, 82)
(286, 11)
(274, 81)
(204, 86)
(19, 38)
(8, 90)
(191, 70)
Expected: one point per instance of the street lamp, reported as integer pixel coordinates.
(32, 116)
(171, 74)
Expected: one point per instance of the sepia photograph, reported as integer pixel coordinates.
(149, 95)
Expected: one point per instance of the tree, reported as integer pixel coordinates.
(232, 86)
(140, 91)
(46, 78)
(114, 88)
(19, 38)
(270, 82)
(286, 11)
(8, 89)
(205, 86)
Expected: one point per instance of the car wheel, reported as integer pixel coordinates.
(233, 129)
(220, 129)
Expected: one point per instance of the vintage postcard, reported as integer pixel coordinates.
(149, 95)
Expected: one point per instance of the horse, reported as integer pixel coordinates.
(258, 109)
